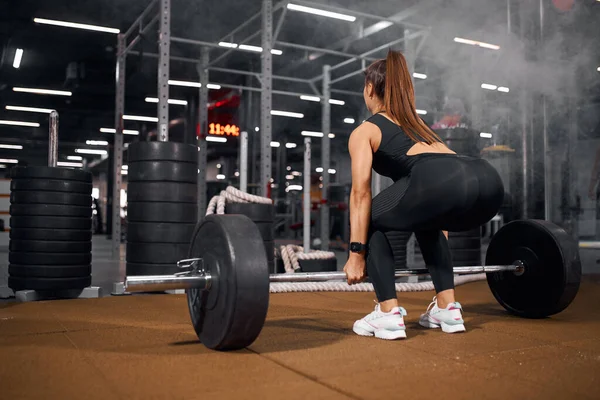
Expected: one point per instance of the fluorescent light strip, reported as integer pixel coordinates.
(192, 84)
(8, 160)
(125, 131)
(258, 49)
(419, 75)
(11, 146)
(216, 139)
(125, 167)
(229, 45)
(319, 169)
(349, 120)
(316, 134)
(76, 25)
(291, 145)
(293, 187)
(503, 89)
(323, 13)
(29, 109)
(485, 135)
(476, 43)
(43, 91)
(68, 164)
(96, 142)
(598, 69)
(19, 123)
(421, 112)
(74, 158)
(275, 144)
(318, 100)
(289, 177)
(220, 176)
(287, 114)
(140, 118)
(91, 151)
(331, 171)
(18, 58)
(296, 173)
(488, 86)
(337, 102)
(170, 101)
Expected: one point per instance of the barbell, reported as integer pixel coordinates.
(533, 270)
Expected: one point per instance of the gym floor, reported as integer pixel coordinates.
(143, 346)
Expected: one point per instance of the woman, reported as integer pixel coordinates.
(435, 190)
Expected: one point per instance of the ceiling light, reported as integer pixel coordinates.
(275, 144)
(381, 25)
(30, 109)
(419, 75)
(421, 112)
(331, 136)
(69, 164)
(219, 165)
(310, 98)
(228, 45)
(485, 135)
(96, 142)
(11, 146)
(76, 25)
(125, 167)
(337, 102)
(213, 86)
(598, 69)
(503, 89)
(293, 187)
(74, 158)
(331, 171)
(488, 86)
(236, 173)
(43, 91)
(250, 48)
(319, 169)
(289, 177)
(125, 131)
(91, 151)
(220, 176)
(276, 52)
(311, 133)
(18, 58)
(19, 123)
(124, 172)
(216, 139)
(476, 43)
(170, 101)
(8, 161)
(192, 84)
(323, 13)
(296, 173)
(289, 168)
(257, 129)
(140, 118)
(291, 145)
(287, 114)
(349, 120)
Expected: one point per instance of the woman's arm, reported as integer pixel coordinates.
(361, 155)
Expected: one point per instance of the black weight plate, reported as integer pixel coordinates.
(49, 271)
(162, 171)
(159, 232)
(256, 212)
(61, 174)
(162, 212)
(156, 253)
(552, 272)
(47, 246)
(51, 185)
(231, 315)
(18, 283)
(133, 269)
(49, 258)
(318, 265)
(73, 199)
(162, 191)
(162, 151)
(269, 249)
(463, 243)
(266, 231)
(50, 234)
(55, 210)
(50, 222)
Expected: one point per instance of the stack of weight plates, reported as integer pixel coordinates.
(162, 206)
(263, 216)
(50, 229)
(465, 247)
(398, 242)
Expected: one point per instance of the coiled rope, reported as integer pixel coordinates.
(290, 255)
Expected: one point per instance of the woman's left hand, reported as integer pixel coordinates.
(355, 269)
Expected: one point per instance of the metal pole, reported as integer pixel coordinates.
(546, 147)
(525, 152)
(266, 96)
(163, 70)
(118, 147)
(325, 156)
(203, 125)
(306, 200)
(244, 161)
(53, 140)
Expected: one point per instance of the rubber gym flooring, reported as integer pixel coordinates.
(143, 347)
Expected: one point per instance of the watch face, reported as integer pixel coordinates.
(356, 247)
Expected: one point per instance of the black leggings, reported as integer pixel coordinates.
(444, 192)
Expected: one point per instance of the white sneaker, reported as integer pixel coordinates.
(449, 318)
(382, 325)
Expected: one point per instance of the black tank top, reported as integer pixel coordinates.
(390, 159)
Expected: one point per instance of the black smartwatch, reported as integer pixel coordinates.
(357, 247)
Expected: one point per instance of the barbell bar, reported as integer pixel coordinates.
(160, 283)
(533, 270)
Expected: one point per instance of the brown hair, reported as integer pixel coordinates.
(392, 83)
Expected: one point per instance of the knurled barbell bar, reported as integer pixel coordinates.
(532, 266)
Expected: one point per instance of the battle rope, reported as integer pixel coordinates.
(290, 255)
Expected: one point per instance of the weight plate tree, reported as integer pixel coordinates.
(533, 270)
(162, 205)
